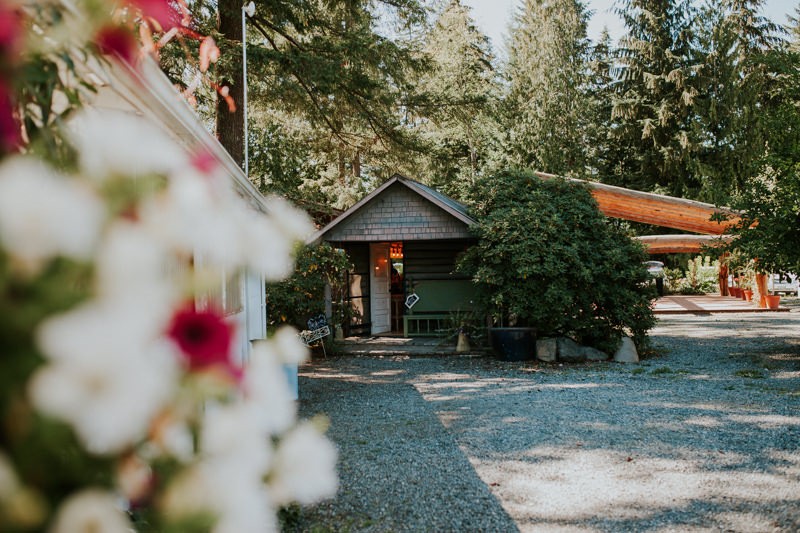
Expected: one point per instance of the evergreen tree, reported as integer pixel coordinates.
(731, 130)
(655, 97)
(546, 72)
(329, 66)
(602, 152)
(460, 91)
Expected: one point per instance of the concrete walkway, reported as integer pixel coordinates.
(708, 303)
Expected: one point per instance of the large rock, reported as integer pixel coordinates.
(570, 351)
(546, 350)
(627, 353)
(593, 354)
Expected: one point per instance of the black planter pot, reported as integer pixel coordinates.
(513, 344)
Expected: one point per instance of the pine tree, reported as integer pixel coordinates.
(546, 72)
(460, 90)
(734, 41)
(655, 97)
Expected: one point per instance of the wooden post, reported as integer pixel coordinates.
(723, 274)
(760, 290)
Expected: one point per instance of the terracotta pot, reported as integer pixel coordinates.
(748, 295)
(773, 301)
(733, 291)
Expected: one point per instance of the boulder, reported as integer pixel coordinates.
(546, 350)
(593, 354)
(626, 353)
(570, 351)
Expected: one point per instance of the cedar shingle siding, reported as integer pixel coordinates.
(399, 214)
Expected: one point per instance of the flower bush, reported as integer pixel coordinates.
(123, 402)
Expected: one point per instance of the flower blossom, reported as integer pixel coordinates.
(43, 214)
(266, 387)
(89, 511)
(159, 10)
(305, 467)
(115, 143)
(131, 266)
(203, 336)
(117, 41)
(108, 373)
(9, 126)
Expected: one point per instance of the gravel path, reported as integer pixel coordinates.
(704, 437)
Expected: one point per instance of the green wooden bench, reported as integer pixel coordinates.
(437, 300)
(424, 325)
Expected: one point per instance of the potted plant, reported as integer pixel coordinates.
(547, 260)
(773, 300)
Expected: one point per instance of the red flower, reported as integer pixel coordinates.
(11, 33)
(204, 338)
(9, 126)
(116, 41)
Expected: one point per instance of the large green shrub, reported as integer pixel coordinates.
(302, 296)
(546, 257)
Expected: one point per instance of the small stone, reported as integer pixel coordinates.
(593, 354)
(546, 350)
(626, 353)
(570, 351)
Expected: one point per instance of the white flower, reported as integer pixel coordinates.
(304, 467)
(90, 511)
(198, 214)
(113, 142)
(266, 388)
(108, 375)
(237, 499)
(271, 249)
(132, 264)
(286, 345)
(232, 432)
(295, 222)
(43, 214)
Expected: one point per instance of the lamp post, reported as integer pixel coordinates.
(248, 10)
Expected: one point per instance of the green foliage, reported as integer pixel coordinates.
(457, 100)
(545, 108)
(547, 257)
(302, 296)
(701, 277)
(772, 198)
(654, 96)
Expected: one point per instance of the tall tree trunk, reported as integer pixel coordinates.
(230, 125)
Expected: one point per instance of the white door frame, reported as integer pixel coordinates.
(380, 300)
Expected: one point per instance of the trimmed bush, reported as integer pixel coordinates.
(547, 258)
(302, 296)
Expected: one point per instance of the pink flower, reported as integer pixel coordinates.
(159, 10)
(116, 41)
(203, 337)
(203, 161)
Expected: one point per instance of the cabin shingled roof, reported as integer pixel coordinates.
(444, 202)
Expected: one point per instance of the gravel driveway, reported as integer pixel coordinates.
(703, 437)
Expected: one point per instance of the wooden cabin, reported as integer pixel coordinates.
(403, 239)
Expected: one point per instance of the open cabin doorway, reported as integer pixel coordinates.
(397, 286)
